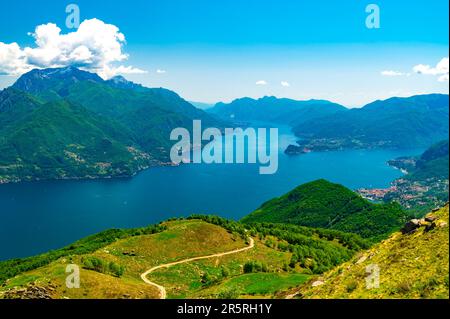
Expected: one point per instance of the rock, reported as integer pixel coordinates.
(442, 224)
(361, 260)
(30, 292)
(430, 226)
(411, 226)
(317, 283)
(430, 218)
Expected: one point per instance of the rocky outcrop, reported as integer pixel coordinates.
(411, 226)
(429, 222)
(295, 150)
(32, 291)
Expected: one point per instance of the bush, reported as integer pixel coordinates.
(101, 266)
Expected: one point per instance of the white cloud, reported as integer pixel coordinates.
(443, 78)
(261, 82)
(391, 73)
(159, 71)
(12, 59)
(94, 46)
(441, 69)
(285, 84)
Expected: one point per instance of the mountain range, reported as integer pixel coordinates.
(68, 123)
(411, 122)
(272, 109)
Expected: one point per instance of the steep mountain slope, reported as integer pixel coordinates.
(113, 97)
(433, 163)
(272, 109)
(64, 140)
(327, 205)
(397, 122)
(411, 265)
(68, 123)
(15, 105)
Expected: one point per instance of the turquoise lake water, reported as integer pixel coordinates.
(39, 216)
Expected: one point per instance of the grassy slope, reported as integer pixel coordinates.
(178, 240)
(411, 266)
(182, 239)
(204, 278)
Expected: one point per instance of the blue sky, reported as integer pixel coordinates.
(218, 50)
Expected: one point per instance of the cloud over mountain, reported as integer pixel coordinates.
(94, 46)
(441, 69)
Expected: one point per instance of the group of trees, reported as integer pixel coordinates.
(11, 268)
(102, 266)
(209, 278)
(313, 249)
(255, 266)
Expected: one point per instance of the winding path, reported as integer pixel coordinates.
(162, 290)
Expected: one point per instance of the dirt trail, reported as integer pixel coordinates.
(162, 290)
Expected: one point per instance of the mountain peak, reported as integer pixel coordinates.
(39, 80)
(121, 82)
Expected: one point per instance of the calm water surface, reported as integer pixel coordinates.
(38, 216)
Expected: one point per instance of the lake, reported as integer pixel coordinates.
(39, 216)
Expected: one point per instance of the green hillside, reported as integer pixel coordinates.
(64, 140)
(396, 122)
(413, 265)
(433, 163)
(68, 123)
(281, 257)
(327, 205)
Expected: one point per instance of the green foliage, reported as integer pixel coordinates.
(433, 163)
(101, 266)
(315, 250)
(11, 268)
(255, 266)
(327, 205)
(412, 266)
(68, 123)
(258, 284)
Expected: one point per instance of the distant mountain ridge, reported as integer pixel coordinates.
(412, 122)
(69, 123)
(277, 110)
